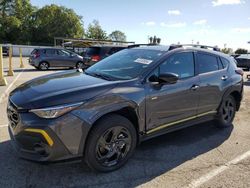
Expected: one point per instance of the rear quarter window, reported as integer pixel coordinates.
(225, 62)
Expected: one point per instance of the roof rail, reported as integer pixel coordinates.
(174, 46)
(138, 45)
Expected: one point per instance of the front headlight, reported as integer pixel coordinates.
(56, 111)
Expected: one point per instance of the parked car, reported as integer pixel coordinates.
(5, 51)
(243, 61)
(103, 113)
(96, 53)
(44, 58)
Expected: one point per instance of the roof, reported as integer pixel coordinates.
(212, 50)
(111, 46)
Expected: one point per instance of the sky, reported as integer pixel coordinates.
(225, 23)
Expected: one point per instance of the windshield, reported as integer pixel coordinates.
(126, 64)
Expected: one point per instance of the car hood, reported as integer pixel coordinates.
(57, 89)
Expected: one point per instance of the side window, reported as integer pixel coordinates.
(207, 63)
(181, 64)
(225, 62)
(50, 52)
(63, 53)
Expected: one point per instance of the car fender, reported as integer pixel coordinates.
(92, 111)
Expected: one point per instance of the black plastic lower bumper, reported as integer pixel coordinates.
(34, 146)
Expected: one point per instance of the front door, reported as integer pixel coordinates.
(169, 104)
(64, 59)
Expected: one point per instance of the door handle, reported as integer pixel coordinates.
(224, 78)
(194, 87)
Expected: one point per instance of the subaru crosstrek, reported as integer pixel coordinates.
(102, 113)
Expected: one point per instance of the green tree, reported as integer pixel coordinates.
(15, 17)
(6, 7)
(95, 31)
(117, 36)
(241, 51)
(56, 21)
(227, 50)
(154, 40)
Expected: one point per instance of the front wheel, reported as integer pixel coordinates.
(111, 143)
(226, 112)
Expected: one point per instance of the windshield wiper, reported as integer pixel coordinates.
(99, 75)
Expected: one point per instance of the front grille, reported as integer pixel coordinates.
(13, 115)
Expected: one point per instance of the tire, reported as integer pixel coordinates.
(43, 66)
(80, 65)
(110, 143)
(226, 112)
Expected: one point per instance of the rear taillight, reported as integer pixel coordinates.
(239, 71)
(95, 58)
(36, 55)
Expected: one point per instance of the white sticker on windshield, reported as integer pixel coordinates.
(143, 61)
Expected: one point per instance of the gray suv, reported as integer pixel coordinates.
(44, 58)
(131, 96)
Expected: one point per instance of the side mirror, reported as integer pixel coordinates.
(167, 78)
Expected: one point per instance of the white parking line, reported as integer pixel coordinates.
(9, 87)
(1, 126)
(217, 171)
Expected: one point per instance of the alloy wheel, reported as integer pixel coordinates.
(79, 65)
(113, 146)
(44, 66)
(228, 110)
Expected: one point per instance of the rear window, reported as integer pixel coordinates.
(93, 51)
(34, 51)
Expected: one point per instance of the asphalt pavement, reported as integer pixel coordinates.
(198, 156)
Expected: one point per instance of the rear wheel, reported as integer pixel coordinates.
(226, 112)
(43, 66)
(111, 143)
(79, 65)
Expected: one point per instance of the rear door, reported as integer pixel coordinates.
(49, 56)
(172, 103)
(213, 80)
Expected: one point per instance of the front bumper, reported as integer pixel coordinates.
(39, 139)
(34, 146)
